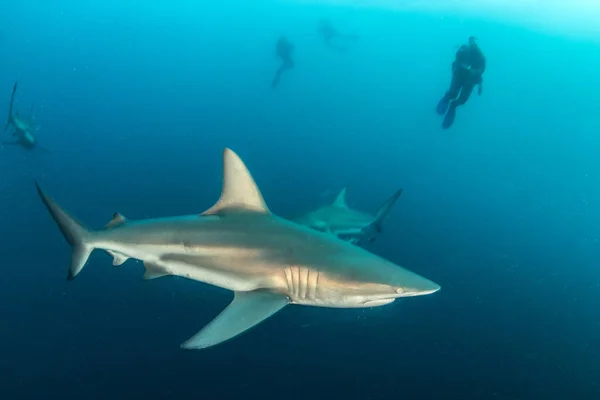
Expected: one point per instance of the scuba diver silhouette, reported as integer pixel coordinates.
(283, 49)
(467, 70)
(330, 34)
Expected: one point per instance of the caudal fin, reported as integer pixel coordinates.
(75, 233)
(10, 107)
(384, 209)
(43, 149)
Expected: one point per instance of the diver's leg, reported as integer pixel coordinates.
(277, 78)
(465, 93)
(287, 64)
(451, 94)
(450, 115)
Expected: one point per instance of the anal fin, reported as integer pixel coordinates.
(245, 311)
(118, 258)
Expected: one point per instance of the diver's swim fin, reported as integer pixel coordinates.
(442, 106)
(449, 118)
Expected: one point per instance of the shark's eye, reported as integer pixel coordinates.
(399, 290)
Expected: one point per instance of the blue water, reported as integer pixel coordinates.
(136, 102)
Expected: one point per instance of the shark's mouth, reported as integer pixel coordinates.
(419, 293)
(378, 302)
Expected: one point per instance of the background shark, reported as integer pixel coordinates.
(238, 244)
(24, 127)
(346, 223)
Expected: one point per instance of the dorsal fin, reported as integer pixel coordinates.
(240, 192)
(340, 200)
(117, 219)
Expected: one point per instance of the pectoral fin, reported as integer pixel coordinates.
(246, 310)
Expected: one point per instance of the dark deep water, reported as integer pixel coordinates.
(136, 103)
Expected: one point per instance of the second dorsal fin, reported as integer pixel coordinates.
(117, 220)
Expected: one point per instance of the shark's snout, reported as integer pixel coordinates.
(431, 287)
(418, 287)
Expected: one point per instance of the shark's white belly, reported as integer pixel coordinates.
(348, 231)
(211, 275)
(28, 137)
(225, 268)
(338, 229)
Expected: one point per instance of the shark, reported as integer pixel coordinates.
(24, 127)
(238, 244)
(346, 223)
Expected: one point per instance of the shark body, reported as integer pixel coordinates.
(24, 127)
(347, 223)
(239, 245)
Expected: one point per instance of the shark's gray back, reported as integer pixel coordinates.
(273, 241)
